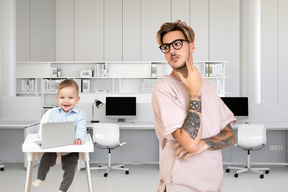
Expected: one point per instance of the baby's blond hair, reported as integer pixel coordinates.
(68, 83)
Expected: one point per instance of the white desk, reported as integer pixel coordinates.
(6, 125)
(16, 124)
(140, 125)
(123, 125)
(35, 152)
(269, 126)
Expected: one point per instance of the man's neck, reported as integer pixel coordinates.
(183, 71)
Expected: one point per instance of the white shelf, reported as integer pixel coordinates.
(119, 77)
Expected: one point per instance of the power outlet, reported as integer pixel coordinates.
(273, 147)
(280, 147)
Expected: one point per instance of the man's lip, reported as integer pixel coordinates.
(174, 58)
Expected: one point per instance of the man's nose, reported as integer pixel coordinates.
(172, 50)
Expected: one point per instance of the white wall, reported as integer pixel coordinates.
(274, 90)
(20, 109)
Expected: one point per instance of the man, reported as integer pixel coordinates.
(191, 121)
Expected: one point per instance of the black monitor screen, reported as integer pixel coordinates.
(121, 106)
(238, 105)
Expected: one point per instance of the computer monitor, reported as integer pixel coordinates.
(238, 105)
(121, 108)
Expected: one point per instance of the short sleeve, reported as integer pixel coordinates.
(169, 112)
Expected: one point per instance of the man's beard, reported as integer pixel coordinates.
(183, 65)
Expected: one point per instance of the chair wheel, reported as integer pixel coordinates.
(227, 170)
(262, 176)
(267, 171)
(105, 174)
(126, 172)
(2, 169)
(236, 175)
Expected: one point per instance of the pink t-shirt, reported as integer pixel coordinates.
(202, 172)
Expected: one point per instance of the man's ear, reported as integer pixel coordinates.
(192, 47)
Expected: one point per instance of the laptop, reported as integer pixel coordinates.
(57, 134)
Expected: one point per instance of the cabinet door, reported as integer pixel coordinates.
(65, 30)
(88, 30)
(269, 51)
(283, 60)
(153, 15)
(43, 27)
(224, 39)
(199, 21)
(131, 30)
(23, 30)
(180, 11)
(113, 30)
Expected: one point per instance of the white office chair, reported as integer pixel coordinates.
(250, 137)
(106, 136)
(1, 166)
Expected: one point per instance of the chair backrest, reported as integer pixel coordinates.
(44, 119)
(251, 135)
(106, 134)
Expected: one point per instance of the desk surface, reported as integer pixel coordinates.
(29, 145)
(122, 125)
(270, 126)
(130, 125)
(16, 124)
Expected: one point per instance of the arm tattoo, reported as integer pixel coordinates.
(195, 105)
(193, 123)
(224, 139)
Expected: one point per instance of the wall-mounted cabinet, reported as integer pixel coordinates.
(114, 77)
(125, 30)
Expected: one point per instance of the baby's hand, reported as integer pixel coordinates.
(77, 142)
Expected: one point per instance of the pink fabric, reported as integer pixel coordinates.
(202, 172)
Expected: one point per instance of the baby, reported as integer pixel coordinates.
(67, 97)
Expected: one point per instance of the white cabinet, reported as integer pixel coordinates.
(224, 38)
(131, 30)
(23, 30)
(88, 30)
(274, 58)
(113, 30)
(180, 10)
(214, 71)
(36, 26)
(65, 30)
(199, 21)
(41, 79)
(43, 27)
(153, 15)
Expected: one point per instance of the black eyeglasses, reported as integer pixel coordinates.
(176, 44)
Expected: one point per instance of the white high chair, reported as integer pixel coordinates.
(35, 152)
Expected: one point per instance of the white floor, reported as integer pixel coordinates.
(142, 178)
